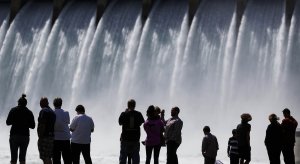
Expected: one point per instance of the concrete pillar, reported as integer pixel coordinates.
(101, 6)
(240, 9)
(147, 6)
(15, 7)
(297, 146)
(289, 10)
(193, 6)
(58, 5)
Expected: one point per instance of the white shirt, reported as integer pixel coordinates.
(61, 128)
(82, 126)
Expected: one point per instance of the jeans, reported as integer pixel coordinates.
(172, 147)
(129, 149)
(208, 160)
(149, 153)
(234, 159)
(85, 149)
(62, 148)
(18, 142)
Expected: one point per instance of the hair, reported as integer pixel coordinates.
(286, 111)
(273, 117)
(131, 104)
(22, 100)
(234, 131)
(157, 109)
(151, 112)
(206, 129)
(80, 109)
(176, 108)
(44, 102)
(57, 102)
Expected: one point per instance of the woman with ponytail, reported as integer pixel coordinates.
(21, 119)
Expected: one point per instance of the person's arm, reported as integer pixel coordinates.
(228, 148)
(121, 119)
(92, 125)
(204, 146)
(9, 120)
(73, 124)
(31, 121)
(67, 118)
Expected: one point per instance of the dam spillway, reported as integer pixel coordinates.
(211, 68)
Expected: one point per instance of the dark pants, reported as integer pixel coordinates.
(62, 148)
(208, 160)
(288, 154)
(18, 142)
(149, 153)
(234, 159)
(85, 149)
(130, 151)
(274, 155)
(172, 147)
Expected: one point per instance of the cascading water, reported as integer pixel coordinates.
(212, 73)
(23, 44)
(4, 13)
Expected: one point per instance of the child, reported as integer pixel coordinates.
(232, 149)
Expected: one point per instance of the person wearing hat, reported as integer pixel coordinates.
(273, 139)
(243, 136)
(289, 125)
(21, 119)
(81, 127)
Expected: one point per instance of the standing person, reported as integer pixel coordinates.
(289, 125)
(21, 119)
(81, 127)
(273, 140)
(154, 128)
(232, 149)
(61, 134)
(210, 146)
(243, 135)
(130, 120)
(173, 135)
(45, 131)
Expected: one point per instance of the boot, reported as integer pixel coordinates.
(22, 162)
(13, 162)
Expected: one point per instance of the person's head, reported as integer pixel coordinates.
(131, 104)
(246, 117)
(80, 109)
(206, 129)
(151, 112)
(157, 110)
(286, 112)
(273, 118)
(234, 132)
(175, 111)
(22, 100)
(57, 102)
(44, 103)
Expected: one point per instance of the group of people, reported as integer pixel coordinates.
(160, 132)
(279, 138)
(60, 138)
(53, 133)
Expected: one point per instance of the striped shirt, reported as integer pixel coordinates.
(232, 146)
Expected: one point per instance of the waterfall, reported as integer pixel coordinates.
(211, 70)
(23, 43)
(161, 48)
(4, 12)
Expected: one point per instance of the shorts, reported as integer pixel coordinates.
(45, 146)
(245, 152)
